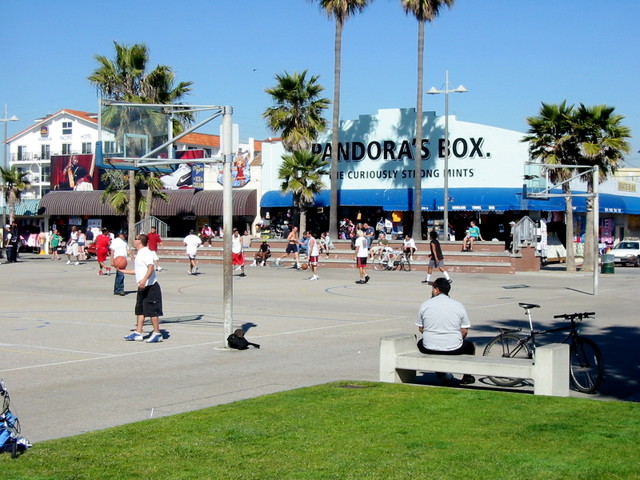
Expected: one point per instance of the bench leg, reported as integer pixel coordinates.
(389, 348)
(551, 370)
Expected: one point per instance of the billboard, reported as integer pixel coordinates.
(74, 172)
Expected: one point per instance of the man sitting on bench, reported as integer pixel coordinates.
(444, 325)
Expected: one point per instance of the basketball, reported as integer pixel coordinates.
(304, 266)
(120, 262)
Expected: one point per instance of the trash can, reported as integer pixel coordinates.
(608, 263)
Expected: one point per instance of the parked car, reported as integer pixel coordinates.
(627, 252)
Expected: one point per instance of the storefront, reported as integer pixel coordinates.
(184, 210)
(376, 175)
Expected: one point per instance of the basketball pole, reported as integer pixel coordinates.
(227, 221)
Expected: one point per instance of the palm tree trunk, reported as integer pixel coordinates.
(335, 132)
(417, 192)
(133, 205)
(570, 256)
(149, 200)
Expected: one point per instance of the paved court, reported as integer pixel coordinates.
(69, 371)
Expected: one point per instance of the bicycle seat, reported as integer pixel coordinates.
(528, 306)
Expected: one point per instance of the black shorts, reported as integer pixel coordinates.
(149, 301)
(292, 248)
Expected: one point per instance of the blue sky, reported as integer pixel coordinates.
(510, 54)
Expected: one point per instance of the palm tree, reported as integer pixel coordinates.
(550, 141)
(125, 78)
(297, 113)
(119, 188)
(15, 182)
(424, 11)
(601, 139)
(301, 173)
(341, 10)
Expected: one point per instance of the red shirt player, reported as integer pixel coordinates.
(153, 241)
(102, 244)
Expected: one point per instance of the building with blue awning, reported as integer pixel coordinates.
(486, 174)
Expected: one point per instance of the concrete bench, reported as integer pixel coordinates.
(400, 360)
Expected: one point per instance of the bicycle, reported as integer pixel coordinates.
(390, 260)
(586, 366)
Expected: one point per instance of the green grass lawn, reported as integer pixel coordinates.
(357, 430)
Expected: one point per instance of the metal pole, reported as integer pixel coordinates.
(446, 156)
(596, 229)
(227, 221)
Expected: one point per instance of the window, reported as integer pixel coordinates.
(66, 149)
(67, 128)
(45, 152)
(109, 147)
(86, 147)
(46, 174)
(22, 150)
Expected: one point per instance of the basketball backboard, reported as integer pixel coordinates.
(136, 136)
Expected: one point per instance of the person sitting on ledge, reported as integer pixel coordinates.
(473, 234)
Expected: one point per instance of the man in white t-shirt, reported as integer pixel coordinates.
(362, 253)
(149, 298)
(192, 241)
(444, 325)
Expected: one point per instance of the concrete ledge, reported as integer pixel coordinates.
(400, 360)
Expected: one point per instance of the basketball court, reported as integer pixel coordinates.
(68, 369)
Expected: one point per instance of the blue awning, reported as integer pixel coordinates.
(460, 199)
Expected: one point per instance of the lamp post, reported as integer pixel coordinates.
(446, 91)
(5, 162)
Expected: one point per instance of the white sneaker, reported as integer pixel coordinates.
(77, 263)
(315, 277)
(68, 262)
(195, 270)
(181, 177)
(159, 269)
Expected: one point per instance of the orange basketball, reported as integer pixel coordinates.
(304, 266)
(120, 262)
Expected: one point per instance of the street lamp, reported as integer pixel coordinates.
(446, 91)
(5, 158)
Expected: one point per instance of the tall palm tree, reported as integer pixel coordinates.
(550, 141)
(602, 141)
(125, 78)
(340, 10)
(301, 173)
(424, 11)
(297, 112)
(15, 182)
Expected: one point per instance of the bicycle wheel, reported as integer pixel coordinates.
(406, 265)
(586, 365)
(507, 345)
(385, 262)
(377, 262)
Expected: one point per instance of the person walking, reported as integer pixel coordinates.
(54, 244)
(444, 325)
(237, 252)
(72, 246)
(292, 248)
(119, 248)
(192, 242)
(154, 240)
(361, 255)
(103, 241)
(436, 258)
(313, 255)
(149, 296)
